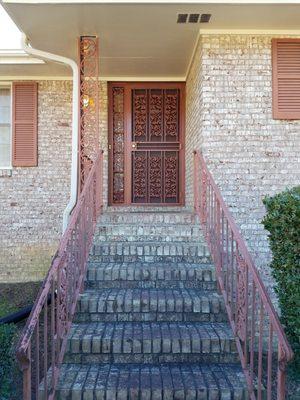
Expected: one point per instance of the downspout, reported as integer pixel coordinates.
(75, 120)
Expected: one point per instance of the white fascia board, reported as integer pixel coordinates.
(12, 78)
(152, 1)
(142, 78)
(289, 32)
(9, 60)
(101, 78)
(12, 56)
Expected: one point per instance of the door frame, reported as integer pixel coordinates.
(128, 86)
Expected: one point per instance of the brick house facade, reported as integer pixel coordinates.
(33, 198)
(120, 169)
(228, 116)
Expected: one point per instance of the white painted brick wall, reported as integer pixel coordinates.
(250, 154)
(229, 116)
(32, 200)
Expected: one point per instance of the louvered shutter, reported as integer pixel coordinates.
(286, 78)
(24, 124)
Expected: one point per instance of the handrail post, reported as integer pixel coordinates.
(95, 196)
(27, 377)
(63, 283)
(218, 235)
(238, 280)
(196, 182)
(101, 182)
(203, 201)
(281, 374)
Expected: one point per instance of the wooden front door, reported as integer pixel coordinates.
(146, 143)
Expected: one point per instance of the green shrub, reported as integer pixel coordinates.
(7, 333)
(283, 223)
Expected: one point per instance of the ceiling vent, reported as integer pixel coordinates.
(193, 18)
(205, 18)
(182, 18)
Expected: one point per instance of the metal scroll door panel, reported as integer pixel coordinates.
(156, 145)
(146, 144)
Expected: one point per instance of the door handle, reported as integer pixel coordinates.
(134, 145)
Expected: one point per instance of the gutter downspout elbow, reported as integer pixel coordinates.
(75, 120)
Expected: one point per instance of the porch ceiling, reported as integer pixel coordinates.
(136, 40)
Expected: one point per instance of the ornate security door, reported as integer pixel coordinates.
(146, 137)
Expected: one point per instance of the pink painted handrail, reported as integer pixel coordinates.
(42, 344)
(261, 342)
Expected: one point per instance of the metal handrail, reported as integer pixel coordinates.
(260, 338)
(42, 344)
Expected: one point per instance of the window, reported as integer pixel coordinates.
(5, 126)
(286, 78)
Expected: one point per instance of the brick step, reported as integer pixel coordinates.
(151, 342)
(149, 217)
(150, 259)
(150, 208)
(142, 232)
(99, 285)
(150, 252)
(151, 382)
(128, 236)
(99, 239)
(150, 305)
(151, 275)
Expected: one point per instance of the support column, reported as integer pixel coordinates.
(89, 138)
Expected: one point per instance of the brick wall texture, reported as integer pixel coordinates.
(229, 117)
(32, 200)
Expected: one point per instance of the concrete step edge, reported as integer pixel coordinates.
(145, 381)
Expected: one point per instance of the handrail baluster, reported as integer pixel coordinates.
(62, 286)
(250, 310)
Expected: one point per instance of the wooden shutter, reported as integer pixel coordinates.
(286, 78)
(24, 124)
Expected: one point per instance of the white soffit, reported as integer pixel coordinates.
(152, 1)
(10, 43)
(140, 40)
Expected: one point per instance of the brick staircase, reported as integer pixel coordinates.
(150, 323)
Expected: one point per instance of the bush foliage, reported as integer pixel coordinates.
(7, 333)
(283, 223)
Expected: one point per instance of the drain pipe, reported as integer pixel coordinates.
(75, 120)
